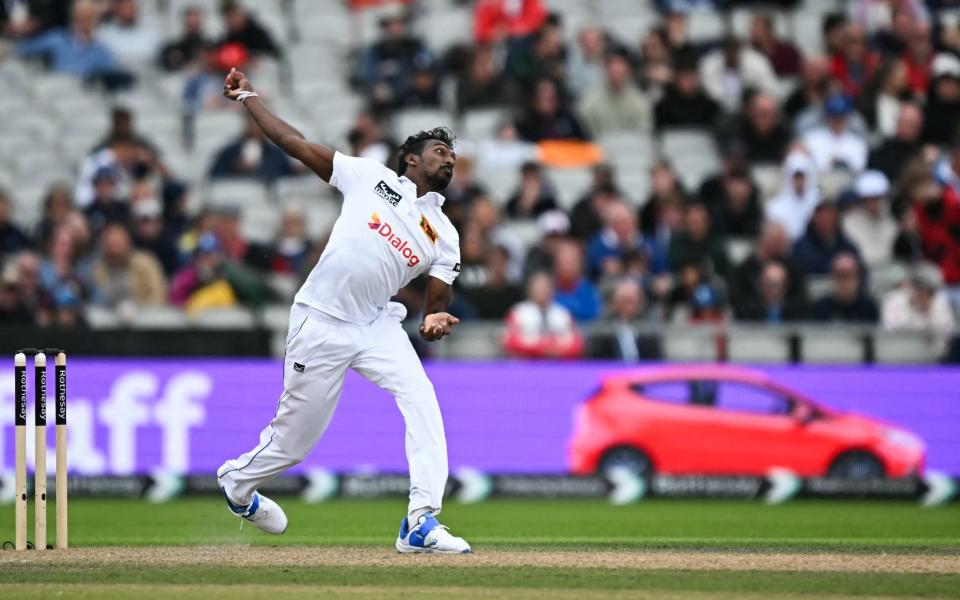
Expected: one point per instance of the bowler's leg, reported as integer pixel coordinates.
(391, 362)
(313, 371)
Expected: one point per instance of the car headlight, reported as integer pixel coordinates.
(899, 437)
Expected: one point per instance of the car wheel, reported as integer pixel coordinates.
(630, 458)
(856, 465)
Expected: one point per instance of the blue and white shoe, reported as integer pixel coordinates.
(264, 513)
(429, 536)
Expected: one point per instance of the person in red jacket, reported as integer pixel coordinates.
(496, 20)
(539, 327)
(937, 210)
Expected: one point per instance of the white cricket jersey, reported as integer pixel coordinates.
(384, 237)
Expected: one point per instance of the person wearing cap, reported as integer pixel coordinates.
(835, 145)
(793, 205)
(386, 66)
(106, 206)
(823, 240)
(149, 235)
(942, 110)
(921, 304)
(869, 224)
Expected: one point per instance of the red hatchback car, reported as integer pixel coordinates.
(723, 420)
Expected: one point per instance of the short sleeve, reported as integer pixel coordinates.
(348, 170)
(447, 266)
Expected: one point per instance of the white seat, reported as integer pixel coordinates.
(739, 249)
(302, 188)
(284, 285)
(832, 345)
(741, 17)
(569, 184)
(885, 278)
(158, 317)
(767, 178)
(445, 27)
(705, 25)
(409, 122)
(275, 317)
(629, 29)
(764, 345)
(482, 123)
(100, 317)
(904, 347)
(224, 318)
(690, 344)
(819, 286)
(259, 223)
(692, 153)
(242, 193)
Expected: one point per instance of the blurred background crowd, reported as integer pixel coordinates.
(620, 161)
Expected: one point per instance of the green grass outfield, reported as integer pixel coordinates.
(556, 548)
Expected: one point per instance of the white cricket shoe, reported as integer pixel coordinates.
(264, 513)
(429, 536)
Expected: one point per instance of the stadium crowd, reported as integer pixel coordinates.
(836, 197)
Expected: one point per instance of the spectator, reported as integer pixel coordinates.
(937, 211)
(535, 195)
(367, 140)
(908, 247)
(684, 103)
(542, 56)
(628, 305)
(251, 155)
(834, 31)
(695, 296)
(869, 225)
(773, 246)
(942, 111)
(22, 18)
(234, 245)
(735, 210)
(849, 301)
(493, 299)
(774, 304)
(186, 50)
(696, 244)
(921, 305)
(462, 191)
(107, 205)
(835, 145)
(572, 290)
(617, 104)
(23, 299)
(149, 235)
(292, 246)
(122, 275)
(554, 227)
(244, 31)
(387, 65)
(547, 118)
(853, 63)
(883, 96)
(813, 90)
(793, 206)
(209, 280)
(57, 207)
(815, 251)
(482, 85)
(661, 214)
(917, 58)
(125, 158)
(539, 327)
(731, 70)
(203, 88)
(423, 90)
(132, 41)
(783, 56)
(500, 20)
(64, 270)
(588, 62)
(760, 130)
(12, 238)
(608, 250)
(586, 218)
(656, 65)
(74, 50)
(891, 156)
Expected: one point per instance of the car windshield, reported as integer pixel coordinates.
(722, 395)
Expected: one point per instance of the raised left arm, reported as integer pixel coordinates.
(436, 321)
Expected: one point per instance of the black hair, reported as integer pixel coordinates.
(415, 143)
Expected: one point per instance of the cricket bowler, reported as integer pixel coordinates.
(391, 229)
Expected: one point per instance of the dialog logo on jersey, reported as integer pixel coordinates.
(399, 244)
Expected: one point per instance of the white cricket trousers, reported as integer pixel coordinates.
(319, 350)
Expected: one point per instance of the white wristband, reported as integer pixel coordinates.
(244, 95)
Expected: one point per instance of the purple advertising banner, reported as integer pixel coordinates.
(132, 416)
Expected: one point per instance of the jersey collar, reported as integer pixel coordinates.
(412, 188)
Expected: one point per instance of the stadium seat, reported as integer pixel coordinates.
(408, 122)
(885, 278)
(739, 249)
(569, 184)
(259, 223)
(301, 188)
(240, 192)
(224, 318)
(832, 345)
(158, 317)
(759, 345)
(705, 26)
(768, 179)
(284, 285)
(100, 317)
(442, 28)
(904, 347)
(629, 29)
(482, 123)
(741, 16)
(819, 286)
(690, 344)
(692, 154)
